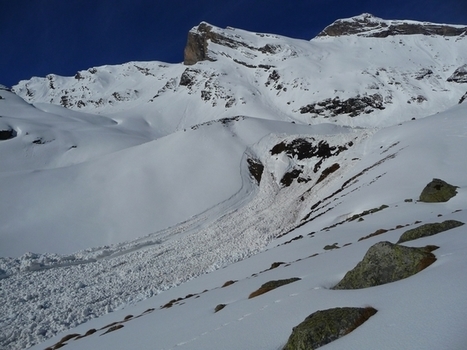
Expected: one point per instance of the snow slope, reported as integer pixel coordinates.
(128, 186)
(417, 151)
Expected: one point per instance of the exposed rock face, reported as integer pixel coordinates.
(386, 262)
(459, 75)
(7, 134)
(429, 230)
(188, 77)
(256, 169)
(371, 26)
(463, 98)
(308, 148)
(196, 46)
(437, 191)
(353, 106)
(325, 326)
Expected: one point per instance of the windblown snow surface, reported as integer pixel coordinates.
(111, 210)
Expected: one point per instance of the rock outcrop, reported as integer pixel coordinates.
(197, 44)
(7, 134)
(463, 98)
(256, 169)
(271, 285)
(325, 326)
(429, 230)
(371, 26)
(353, 106)
(459, 75)
(437, 191)
(199, 37)
(386, 262)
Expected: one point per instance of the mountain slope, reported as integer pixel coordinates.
(363, 80)
(124, 182)
(412, 152)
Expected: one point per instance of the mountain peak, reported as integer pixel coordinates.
(197, 42)
(371, 26)
(205, 34)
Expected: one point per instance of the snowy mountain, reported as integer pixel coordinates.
(348, 77)
(140, 189)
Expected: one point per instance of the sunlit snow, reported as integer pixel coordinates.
(142, 193)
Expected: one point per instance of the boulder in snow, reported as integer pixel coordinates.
(429, 230)
(325, 326)
(386, 262)
(437, 191)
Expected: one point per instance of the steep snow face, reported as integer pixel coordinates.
(346, 79)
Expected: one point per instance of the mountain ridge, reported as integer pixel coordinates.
(130, 186)
(370, 26)
(229, 68)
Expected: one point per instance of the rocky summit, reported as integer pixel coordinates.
(371, 26)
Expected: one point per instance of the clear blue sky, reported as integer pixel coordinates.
(38, 37)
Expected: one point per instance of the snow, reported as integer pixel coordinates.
(113, 209)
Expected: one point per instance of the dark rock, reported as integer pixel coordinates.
(256, 169)
(268, 286)
(459, 75)
(331, 247)
(288, 177)
(276, 264)
(437, 191)
(423, 73)
(353, 106)
(228, 283)
(7, 134)
(273, 78)
(429, 230)
(370, 26)
(386, 262)
(325, 326)
(188, 77)
(463, 98)
(113, 329)
(196, 46)
(219, 307)
(326, 172)
(306, 149)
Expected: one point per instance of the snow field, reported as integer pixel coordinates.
(140, 193)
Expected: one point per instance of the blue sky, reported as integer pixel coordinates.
(39, 37)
